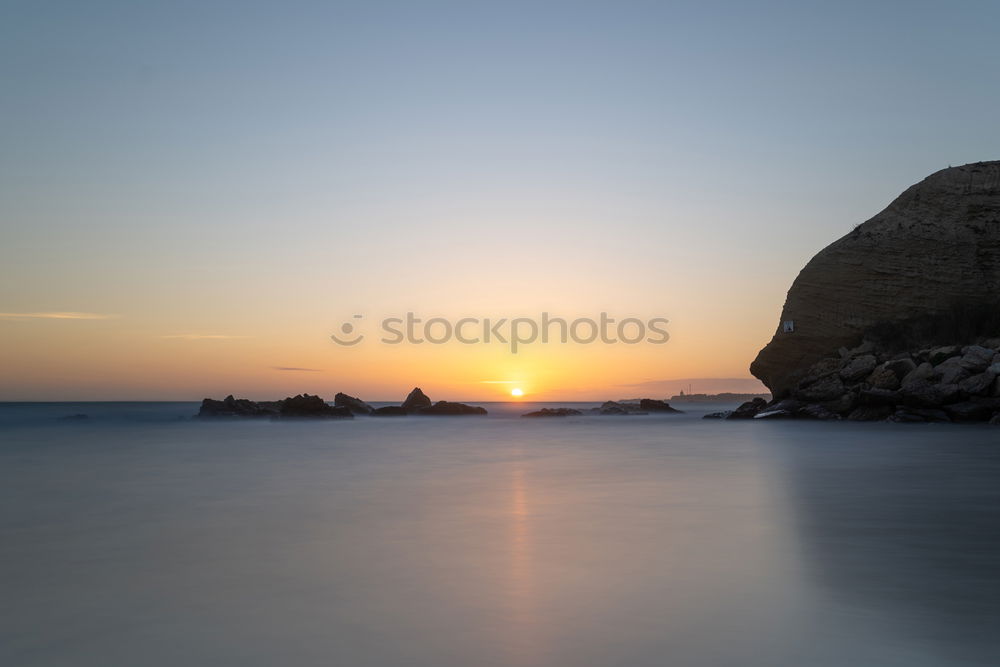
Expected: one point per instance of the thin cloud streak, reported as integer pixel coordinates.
(499, 381)
(202, 337)
(293, 369)
(58, 316)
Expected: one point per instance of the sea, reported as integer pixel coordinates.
(139, 535)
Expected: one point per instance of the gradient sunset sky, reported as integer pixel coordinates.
(195, 195)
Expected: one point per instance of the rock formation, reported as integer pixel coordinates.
(416, 400)
(389, 411)
(938, 384)
(933, 253)
(303, 405)
(352, 403)
(654, 405)
(553, 412)
(618, 408)
(448, 408)
(417, 403)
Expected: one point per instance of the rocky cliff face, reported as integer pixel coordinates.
(936, 245)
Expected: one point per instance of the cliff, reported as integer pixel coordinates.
(933, 250)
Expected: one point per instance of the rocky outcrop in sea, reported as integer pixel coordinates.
(923, 272)
(303, 405)
(345, 406)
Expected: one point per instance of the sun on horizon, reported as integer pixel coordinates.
(516, 392)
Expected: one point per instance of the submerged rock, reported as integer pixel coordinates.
(389, 411)
(447, 408)
(553, 412)
(653, 405)
(616, 408)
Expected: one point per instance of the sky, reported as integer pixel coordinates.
(211, 189)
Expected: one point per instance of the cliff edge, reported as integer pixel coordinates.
(935, 246)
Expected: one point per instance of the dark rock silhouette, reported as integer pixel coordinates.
(302, 405)
(553, 412)
(389, 411)
(354, 404)
(653, 405)
(748, 410)
(447, 408)
(416, 400)
(618, 408)
(305, 405)
(238, 407)
(927, 267)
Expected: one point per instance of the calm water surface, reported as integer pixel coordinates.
(141, 537)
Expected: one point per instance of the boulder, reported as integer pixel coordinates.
(653, 405)
(883, 378)
(748, 410)
(416, 400)
(355, 405)
(825, 389)
(978, 385)
(553, 412)
(936, 244)
(951, 371)
(938, 354)
(866, 347)
(925, 371)
(821, 369)
(977, 358)
(858, 368)
(901, 366)
(447, 408)
(842, 404)
(922, 393)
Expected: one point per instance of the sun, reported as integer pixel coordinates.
(516, 392)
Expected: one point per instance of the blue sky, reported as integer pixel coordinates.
(159, 156)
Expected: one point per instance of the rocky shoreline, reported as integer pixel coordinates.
(948, 383)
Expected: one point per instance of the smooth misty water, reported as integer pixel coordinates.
(140, 537)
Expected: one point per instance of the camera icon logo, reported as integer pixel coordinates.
(347, 329)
